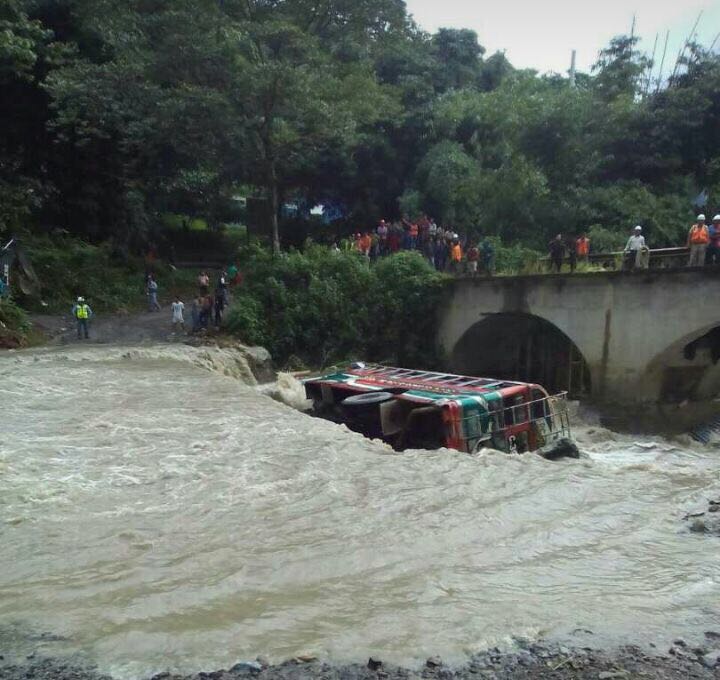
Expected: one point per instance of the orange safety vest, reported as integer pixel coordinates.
(456, 253)
(413, 230)
(699, 235)
(583, 246)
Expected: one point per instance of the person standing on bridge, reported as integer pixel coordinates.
(473, 255)
(635, 245)
(698, 240)
(556, 247)
(488, 256)
(82, 313)
(713, 252)
(582, 248)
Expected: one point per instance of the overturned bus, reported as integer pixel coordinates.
(427, 410)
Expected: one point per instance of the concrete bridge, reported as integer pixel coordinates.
(618, 337)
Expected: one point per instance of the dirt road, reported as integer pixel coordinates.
(127, 329)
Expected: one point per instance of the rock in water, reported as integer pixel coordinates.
(252, 666)
(374, 664)
(711, 660)
(562, 448)
(306, 658)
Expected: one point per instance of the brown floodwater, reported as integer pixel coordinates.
(157, 513)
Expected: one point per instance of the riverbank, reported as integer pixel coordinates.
(527, 661)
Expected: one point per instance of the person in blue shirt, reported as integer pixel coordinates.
(712, 255)
(488, 256)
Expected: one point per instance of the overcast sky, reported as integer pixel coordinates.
(541, 34)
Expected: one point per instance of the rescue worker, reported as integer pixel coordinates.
(82, 313)
(698, 240)
(582, 248)
(713, 251)
(635, 245)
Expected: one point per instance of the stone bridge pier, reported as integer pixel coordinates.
(618, 337)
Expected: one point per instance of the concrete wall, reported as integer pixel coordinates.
(629, 326)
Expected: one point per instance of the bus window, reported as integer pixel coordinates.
(539, 405)
(514, 413)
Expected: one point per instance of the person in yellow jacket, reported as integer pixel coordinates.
(698, 240)
(82, 313)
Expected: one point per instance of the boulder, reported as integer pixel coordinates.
(562, 448)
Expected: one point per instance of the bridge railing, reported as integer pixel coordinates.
(660, 258)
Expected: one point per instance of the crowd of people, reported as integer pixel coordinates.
(208, 306)
(448, 251)
(444, 249)
(703, 243)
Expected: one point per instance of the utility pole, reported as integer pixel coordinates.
(662, 62)
(681, 53)
(573, 59)
(651, 66)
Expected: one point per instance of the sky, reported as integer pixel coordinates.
(541, 34)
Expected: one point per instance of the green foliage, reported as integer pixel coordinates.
(325, 307)
(68, 267)
(116, 114)
(14, 325)
(603, 240)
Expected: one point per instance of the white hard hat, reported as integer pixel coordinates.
(638, 228)
(701, 217)
(716, 218)
(81, 299)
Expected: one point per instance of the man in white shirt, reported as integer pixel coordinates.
(635, 245)
(177, 315)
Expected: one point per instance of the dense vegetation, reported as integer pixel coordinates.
(116, 114)
(14, 326)
(320, 308)
(67, 267)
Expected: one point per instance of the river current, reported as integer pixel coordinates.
(157, 513)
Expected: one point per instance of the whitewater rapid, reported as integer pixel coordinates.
(159, 512)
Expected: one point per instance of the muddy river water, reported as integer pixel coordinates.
(157, 514)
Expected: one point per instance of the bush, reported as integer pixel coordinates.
(14, 325)
(325, 307)
(68, 267)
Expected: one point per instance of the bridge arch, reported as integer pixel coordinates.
(522, 346)
(688, 370)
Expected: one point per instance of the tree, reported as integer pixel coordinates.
(620, 68)
(459, 57)
(27, 53)
(296, 105)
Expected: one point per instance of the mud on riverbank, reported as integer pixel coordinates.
(527, 661)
